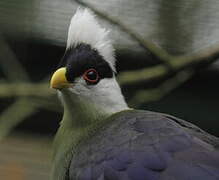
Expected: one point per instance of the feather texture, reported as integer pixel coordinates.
(84, 28)
(141, 145)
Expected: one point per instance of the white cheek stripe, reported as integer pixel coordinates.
(106, 96)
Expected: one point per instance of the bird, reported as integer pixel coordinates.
(101, 138)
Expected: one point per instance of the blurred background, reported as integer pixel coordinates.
(167, 55)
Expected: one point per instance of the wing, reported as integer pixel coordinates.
(142, 145)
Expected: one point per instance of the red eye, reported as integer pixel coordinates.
(91, 76)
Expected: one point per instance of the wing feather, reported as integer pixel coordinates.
(141, 145)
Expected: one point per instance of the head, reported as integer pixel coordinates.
(87, 70)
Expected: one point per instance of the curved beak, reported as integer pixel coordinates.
(58, 80)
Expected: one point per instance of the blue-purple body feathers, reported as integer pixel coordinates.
(143, 145)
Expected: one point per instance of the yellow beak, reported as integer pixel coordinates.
(58, 80)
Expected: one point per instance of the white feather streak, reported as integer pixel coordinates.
(84, 28)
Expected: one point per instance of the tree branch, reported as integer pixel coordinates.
(25, 89)
(166, 87)
(14, 114)
(156, 51)
(9, 63)
(177, 64)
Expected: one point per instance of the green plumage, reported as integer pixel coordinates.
(80, 121)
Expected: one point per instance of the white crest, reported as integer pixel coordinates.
(84, 28)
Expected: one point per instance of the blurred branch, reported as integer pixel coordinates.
(25, 89)
(24, 107)
(52, 103)
(9, 119)
(9, 63)
(166, 87)
(146, 74)
(171, 63)
(156, 51)
(177, 64)
(15, 72)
